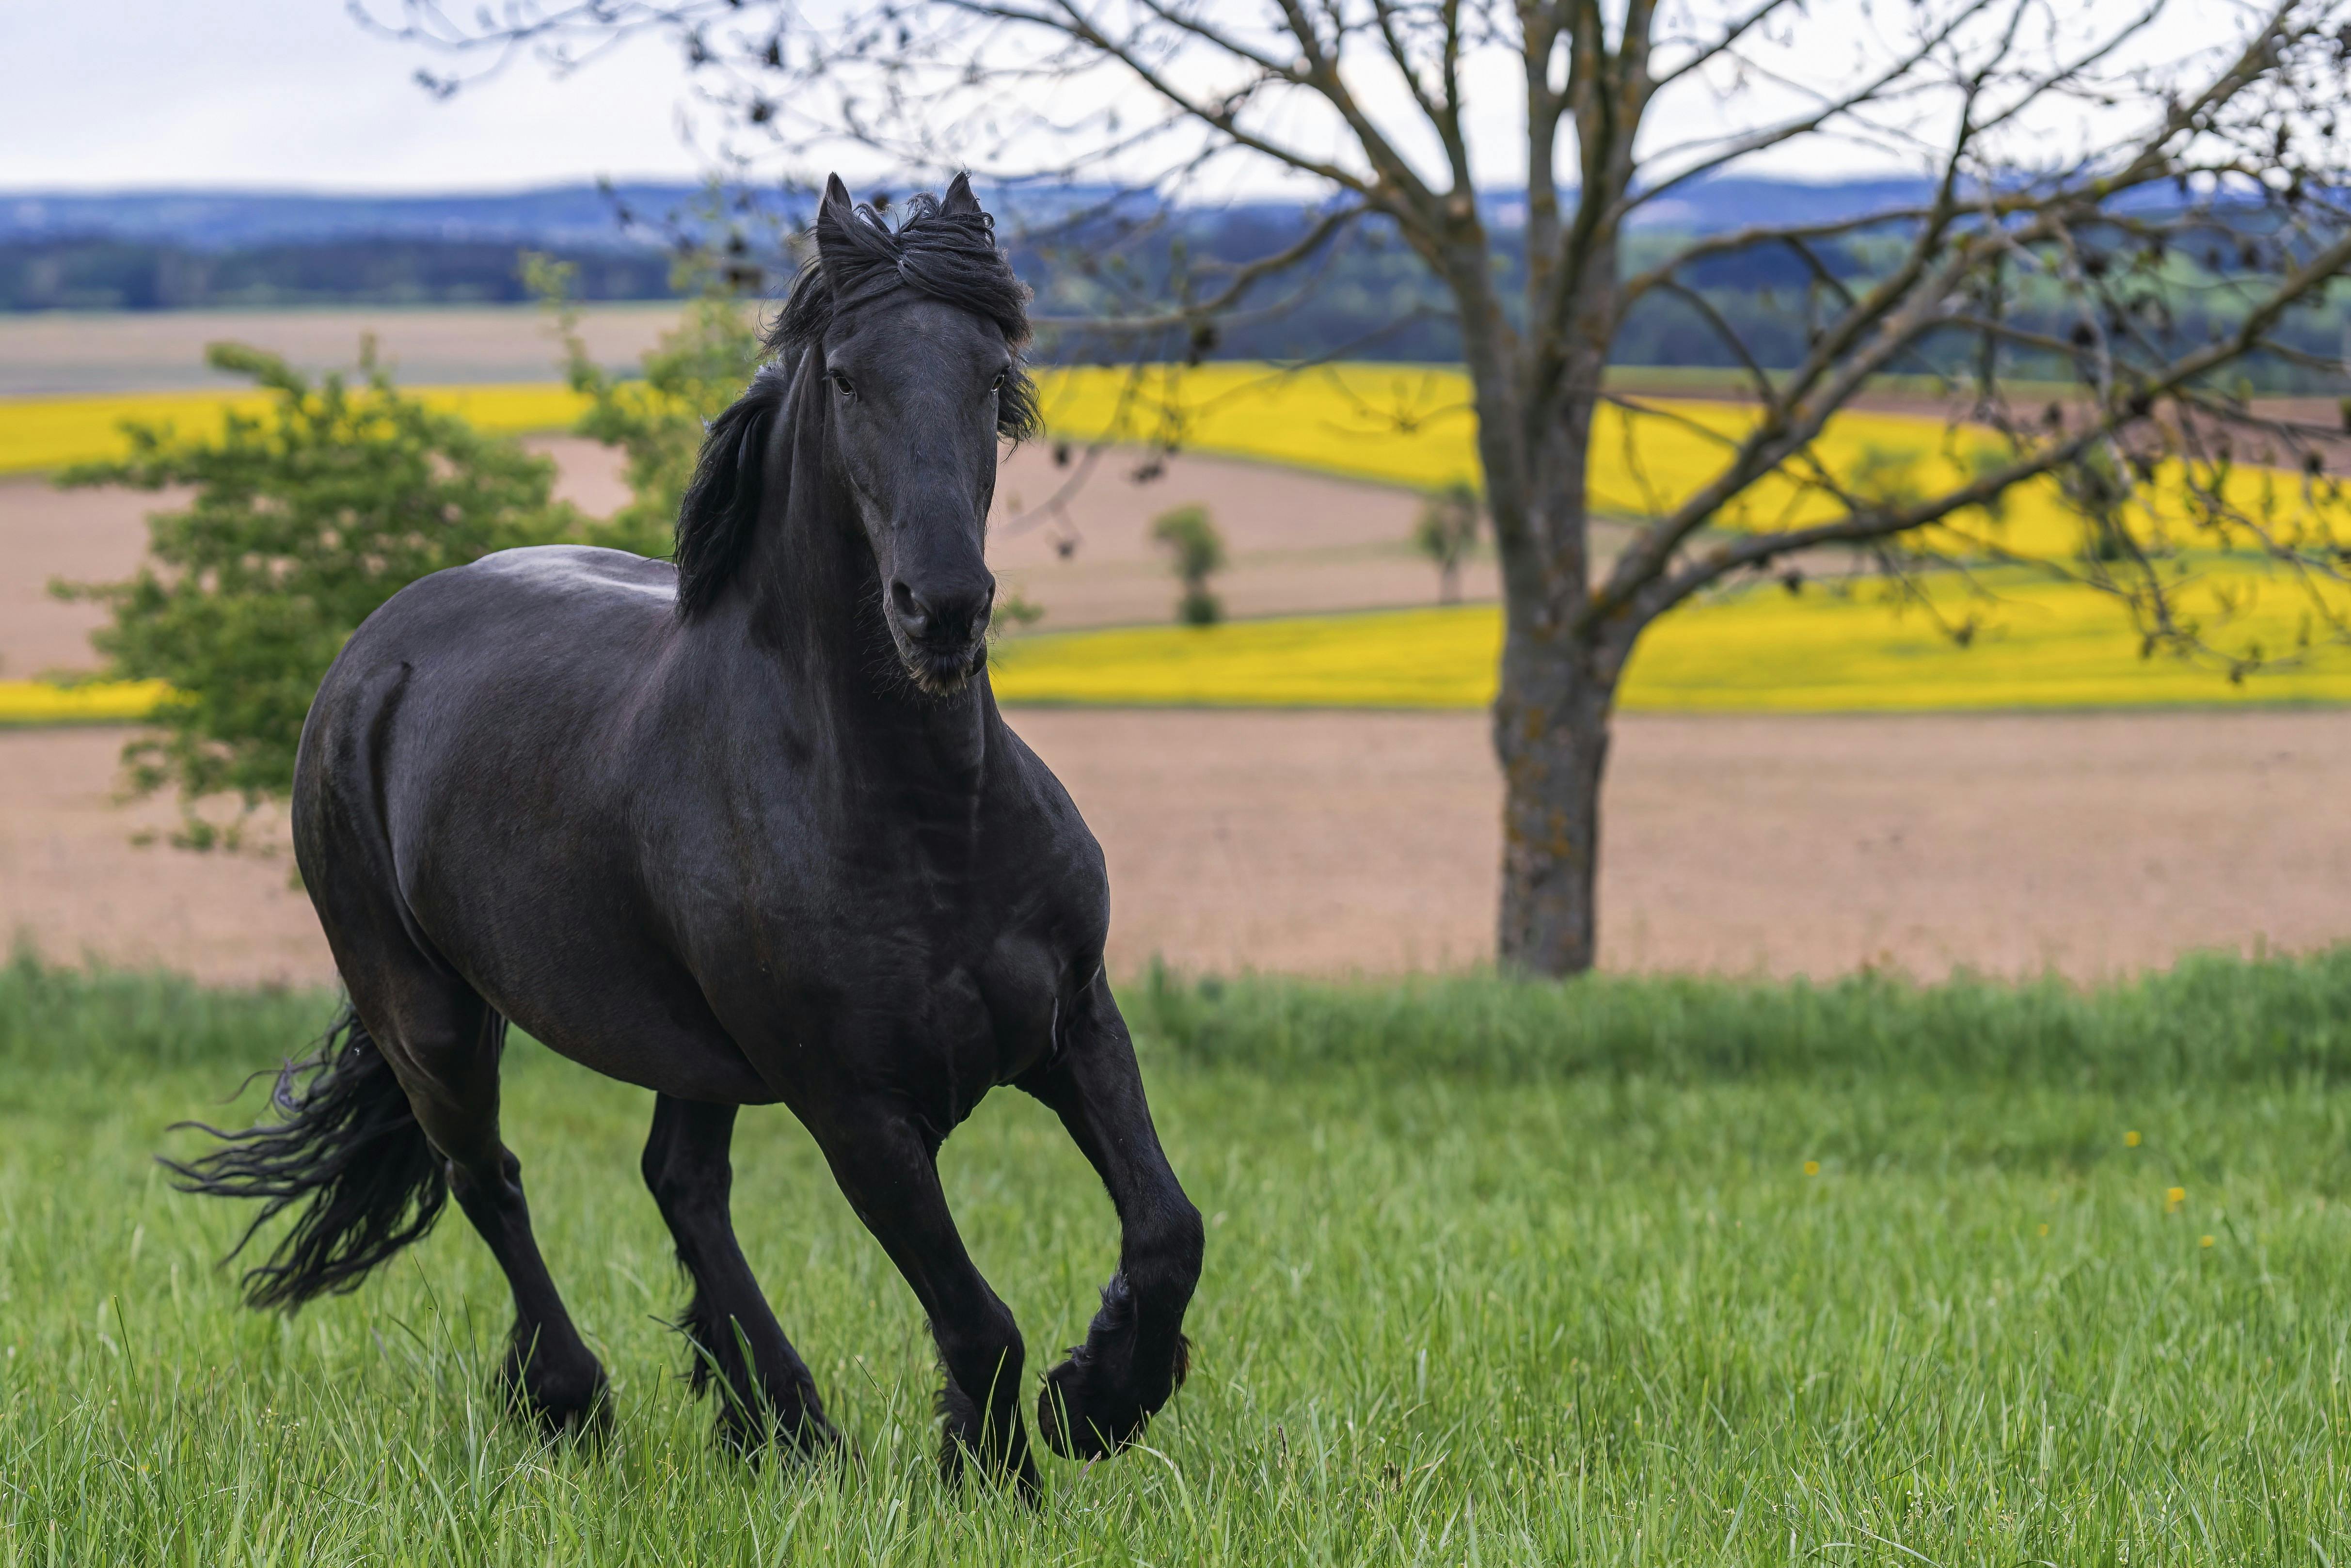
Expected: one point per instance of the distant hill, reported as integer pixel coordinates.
(568, 216)
(157, 250)
(585, 216)
(162, 250)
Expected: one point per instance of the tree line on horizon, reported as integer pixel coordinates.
(1369, 299)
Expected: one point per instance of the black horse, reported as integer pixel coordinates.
(744, 829)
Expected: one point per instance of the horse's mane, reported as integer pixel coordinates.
(947, 251)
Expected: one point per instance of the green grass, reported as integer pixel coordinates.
(1496, 1275)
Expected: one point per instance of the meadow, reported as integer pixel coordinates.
(1624, 1271)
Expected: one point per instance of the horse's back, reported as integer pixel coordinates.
(514, 602)
(497, 661)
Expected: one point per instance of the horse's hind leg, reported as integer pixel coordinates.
(444, 1042)
(686, 1166)
(886, 1165)
(1135, 1355)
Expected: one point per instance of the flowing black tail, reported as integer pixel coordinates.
(347, 1147)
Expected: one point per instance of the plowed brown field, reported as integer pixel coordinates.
(1332, 843)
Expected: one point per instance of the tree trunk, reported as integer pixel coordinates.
(1558, 678)
(1550, 735)
(1558, 685)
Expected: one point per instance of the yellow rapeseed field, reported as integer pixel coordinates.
(2039, 645)
(98, 702)
(1402, 425)
(1413, 425)
(41, 434)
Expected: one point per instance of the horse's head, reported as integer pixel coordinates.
(919, 352)
(911, 337)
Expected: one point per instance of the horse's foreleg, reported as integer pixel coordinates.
(886, 1167)
(685, 1165)
(1134, 1355)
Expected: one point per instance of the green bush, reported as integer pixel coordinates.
(1198, 553)
(304, 518)
(1446, 533)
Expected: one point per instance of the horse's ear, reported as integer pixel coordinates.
(959, 203)
(834, 213)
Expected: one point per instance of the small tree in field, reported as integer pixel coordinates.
(1446, 534)
(304, 518)
(2130, 198)
(1197, 552)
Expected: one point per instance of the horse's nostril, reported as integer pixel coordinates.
(912, 614)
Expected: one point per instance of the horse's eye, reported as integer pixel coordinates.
(997, 385)
(841, 383)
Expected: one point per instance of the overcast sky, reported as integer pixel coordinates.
(277, 94)
(119, 94)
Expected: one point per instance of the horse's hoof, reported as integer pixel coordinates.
(570, 1405)
(965, 1448)
(957, 1460)
(1079, 1420)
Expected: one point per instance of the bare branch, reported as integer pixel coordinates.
(1654, 598)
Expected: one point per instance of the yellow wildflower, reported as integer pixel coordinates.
(1811, 1167)
(2130, 1139)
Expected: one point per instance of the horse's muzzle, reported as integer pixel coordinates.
(944, 672)
(942, 635)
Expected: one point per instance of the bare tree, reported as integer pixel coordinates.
(2127, 197)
